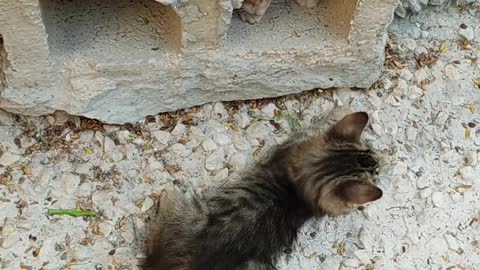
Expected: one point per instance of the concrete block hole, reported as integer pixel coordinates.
(3, 64)
(286, 25)
(110, 31)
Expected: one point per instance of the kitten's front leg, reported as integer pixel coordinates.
(307, 3)
(252, 11)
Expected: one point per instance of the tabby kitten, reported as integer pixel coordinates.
(252, 11)
(245, 225)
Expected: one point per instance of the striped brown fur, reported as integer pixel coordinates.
(245, 224)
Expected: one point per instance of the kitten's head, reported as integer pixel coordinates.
(336, 170)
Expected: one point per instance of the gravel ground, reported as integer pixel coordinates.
(414, 6)
(424, 118)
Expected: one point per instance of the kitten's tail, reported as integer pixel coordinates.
(170, 240)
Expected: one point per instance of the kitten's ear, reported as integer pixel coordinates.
(358, 192)
(349, 129)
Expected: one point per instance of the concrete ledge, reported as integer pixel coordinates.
(119, 61)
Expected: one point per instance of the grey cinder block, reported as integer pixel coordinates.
(120, 60)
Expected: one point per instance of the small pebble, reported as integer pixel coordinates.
(180, 150)
(451, 242)
(8, 230)
(9, 241)
(209, 145)
(468, 196)
(456, 197)
(468, 173)
(179, 130)
(238, 161)
(105, 228)
(240, 142)
(61, 117)
(438, 199)
(423, 182)
(401, 88)
(219, 110)
(215, 160)
(221, 139)
(128, 236)
(84, 190)
(414, 92)
(363, 255)
(269, 110)
(162, 136)
(259, 130)
(452, 72)
(147, 204)
(83, 168)
(425, 193)
(350, 263)
(400, 168)
(411, 133)
(221, 175)
(471, 158)
(410, 44)
(441, 118)
(6, 118)
(242, 120)
(466, 33)
(331, 262)
(7, 159)
(377, 129)
(69, 184)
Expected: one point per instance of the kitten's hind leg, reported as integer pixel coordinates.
(307, 3)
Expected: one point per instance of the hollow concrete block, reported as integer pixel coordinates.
(119, 60)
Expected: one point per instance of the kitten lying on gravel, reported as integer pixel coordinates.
(246, 224)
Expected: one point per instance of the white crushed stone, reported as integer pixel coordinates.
(215, 160)
(428, 134)
(438, 200)
(467, 33)
(8, 158)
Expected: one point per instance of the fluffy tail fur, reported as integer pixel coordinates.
(169, 244)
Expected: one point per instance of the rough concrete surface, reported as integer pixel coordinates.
(425, 119)
(119, 61)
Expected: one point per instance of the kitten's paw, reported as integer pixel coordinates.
(250, 18)
(307, 3)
